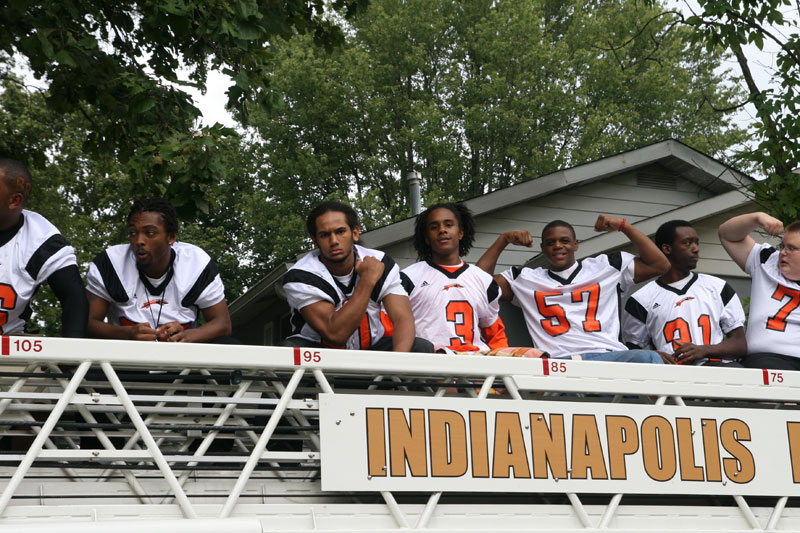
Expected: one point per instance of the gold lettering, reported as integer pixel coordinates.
(741, 468)
(448, 434)
(587, 452)
(509, 447)
(479, 444)
(793, 429)
(658, 448)
(549, 446)
(376, 442)
(689, 469)
(407, 443)
(623, 439)
(711, 448)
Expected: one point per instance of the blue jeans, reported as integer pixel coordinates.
(625, 356)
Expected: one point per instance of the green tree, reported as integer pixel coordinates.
(730, 25)
(125, 66)
(476, 96)
(87, 195)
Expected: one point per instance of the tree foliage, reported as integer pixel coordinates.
(477, 96)
(731, 25)
(125, 66)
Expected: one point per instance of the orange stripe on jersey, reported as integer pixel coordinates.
(495, 335)
(388, 326)
(451, 268)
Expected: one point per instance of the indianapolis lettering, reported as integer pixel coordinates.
(444, 443)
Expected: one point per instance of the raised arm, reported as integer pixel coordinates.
(488, 260)
(651, 261)
(337, 326)
(735, 234)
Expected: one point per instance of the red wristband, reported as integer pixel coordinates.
(624, 220)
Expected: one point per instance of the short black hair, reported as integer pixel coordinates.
(559, 224)
(666, 232)
(331, 205)
(17, 176)
(157, 205)
(466, 223)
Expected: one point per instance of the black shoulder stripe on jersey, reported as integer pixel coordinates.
(766, 252)
(408, 285)
(302, 276)
(516, 271)
(615, 260)
(49, 247)
(493, 291)
(110, 279)
(636, 310)
(203, 280)
(388, 263)
(727, 293)
(297, 321)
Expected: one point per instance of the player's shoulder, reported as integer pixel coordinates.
(708, 280)
(649, 292)
(363, 251)
(116, 254)
(36, 224)
(416, 269)
(185, 251)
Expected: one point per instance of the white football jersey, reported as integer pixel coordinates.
(192, 283)
(703, 312)
(30, 252)
(450, 307)
(576, 315)
(774, 321)
(309, 281)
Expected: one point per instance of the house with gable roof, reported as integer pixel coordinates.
(648, 186)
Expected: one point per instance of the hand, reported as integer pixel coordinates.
(142, 332)
(667, 358)
(370, 269)
(607, 223)
(688, 352)
(519, 237)
(171, 332)
(771, 225)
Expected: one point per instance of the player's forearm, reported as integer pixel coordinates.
(649, 253)
(732, 347)
(347, 319)
(100, 329)
(216, 327)
(404, 334)
(488, 260)
(739, 228)
(68, 288)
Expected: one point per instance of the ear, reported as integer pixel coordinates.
(356, 233)
(666, 249)
(15, 201)
(460, 234)
(171, 239)
(577, 243)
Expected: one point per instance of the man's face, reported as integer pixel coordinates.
(10, 200)
(789, 258)
(684, 252)
(334, 238)
(150, 243)
(559, 247)
(443, 232)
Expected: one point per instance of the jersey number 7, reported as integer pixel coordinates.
(555, 322)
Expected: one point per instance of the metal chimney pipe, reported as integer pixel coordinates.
(414, 192)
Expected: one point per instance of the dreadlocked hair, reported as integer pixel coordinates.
(466, 223)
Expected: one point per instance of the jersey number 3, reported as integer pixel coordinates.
(460, 313)
(555, 322)
(8, 301)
